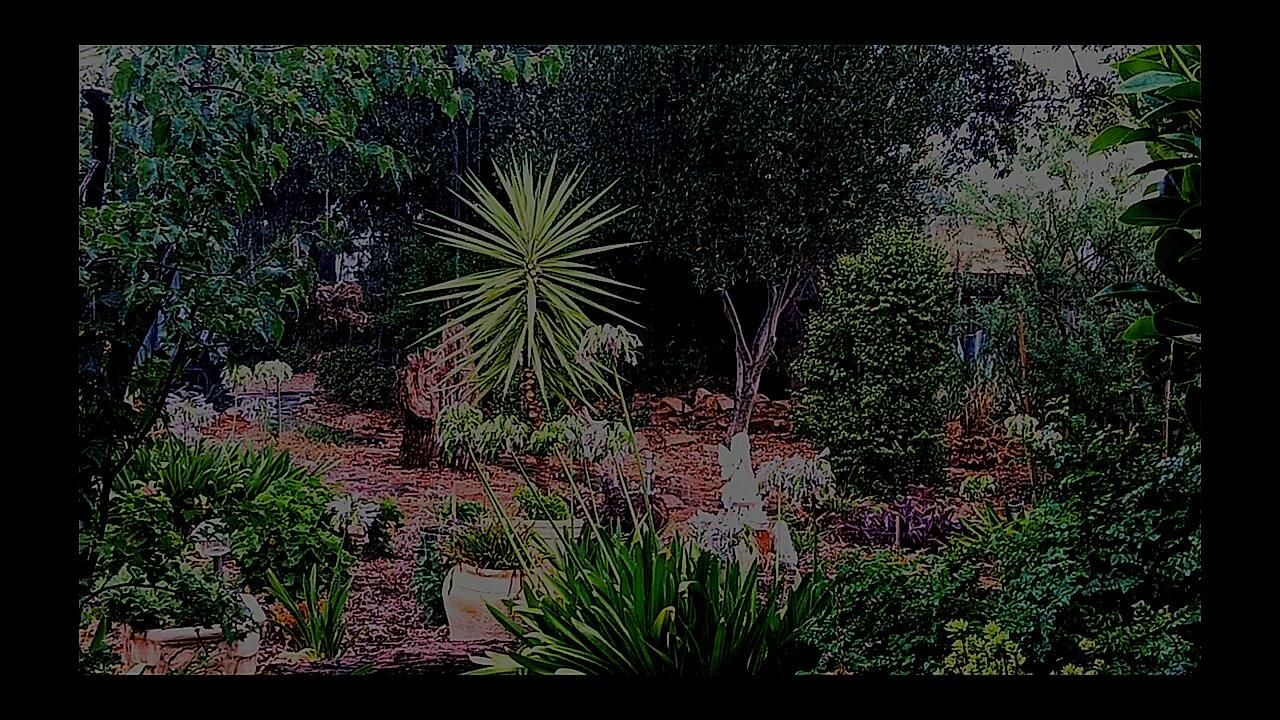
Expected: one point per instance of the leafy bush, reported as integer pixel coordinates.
(636, 606)
(357, 375)
(484, 544)
(890, 611)
(989, 652)
(285, 530)
(314, 623)
(538, 505)
(429, 570)
(143, 536)
(875, 358)
(180, 597)
(201, 480)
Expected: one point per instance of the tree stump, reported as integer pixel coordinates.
(432, 380)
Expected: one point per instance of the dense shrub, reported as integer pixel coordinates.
(285, 529)
(876, 357)
(357, 375)
(890, 611)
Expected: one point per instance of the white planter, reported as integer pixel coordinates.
(173, 649)
(549, 533)
(468, 591)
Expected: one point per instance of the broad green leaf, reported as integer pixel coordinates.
(1149, 81)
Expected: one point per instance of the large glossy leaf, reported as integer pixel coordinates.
(1155, 211)
(1120, 135)
(1155, 294)
(1149, 81)
(1178, 319)
(1177, 255)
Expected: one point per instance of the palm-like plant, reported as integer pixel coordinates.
(529, 312)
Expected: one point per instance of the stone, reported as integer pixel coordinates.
(673, 502)
(699, 395)
(675, 403)
(724, 402)
(680, 439)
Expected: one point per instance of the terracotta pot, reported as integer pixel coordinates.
(172, 649)
(468, 591)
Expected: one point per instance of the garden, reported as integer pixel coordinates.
(639, 360)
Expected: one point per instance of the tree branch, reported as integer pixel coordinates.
(740, 340)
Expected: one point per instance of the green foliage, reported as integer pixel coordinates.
(636, 606)
(876, 356)
(204, 218)
(200, 480)
(989, 652)
(1066, 244)
(327, 435)
(530, 310)
(501, 435)
(889, 612)
(357, 375)
(379, 541)
(1161, 89)
(457, 425)
(143, 537)
(285, 530)
(484, 544)
(316, 621)
(431, 565)
(181, 596)
(538, 505)
(555, 436)
(429, 570)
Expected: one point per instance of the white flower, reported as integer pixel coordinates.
(783, 544)
(717, 533)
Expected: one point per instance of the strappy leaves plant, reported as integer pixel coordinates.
(530, 310)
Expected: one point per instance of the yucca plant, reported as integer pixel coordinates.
(314, 623)
(529, 312)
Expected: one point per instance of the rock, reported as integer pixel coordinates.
(680, 439)
(673, 502)
(724, 402)
(762, 398)
(675, 403)
(699, 395)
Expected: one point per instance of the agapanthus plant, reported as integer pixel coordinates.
(189, 413)
(609, 346)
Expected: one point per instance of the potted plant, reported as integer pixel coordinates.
(187, 618)
(548, 518)
(485, 572)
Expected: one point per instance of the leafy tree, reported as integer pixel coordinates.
(189, 237)
(1161, 92)
(753, 166)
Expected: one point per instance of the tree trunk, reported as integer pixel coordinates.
(750, 359)
(419, 445)
(529, 398)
